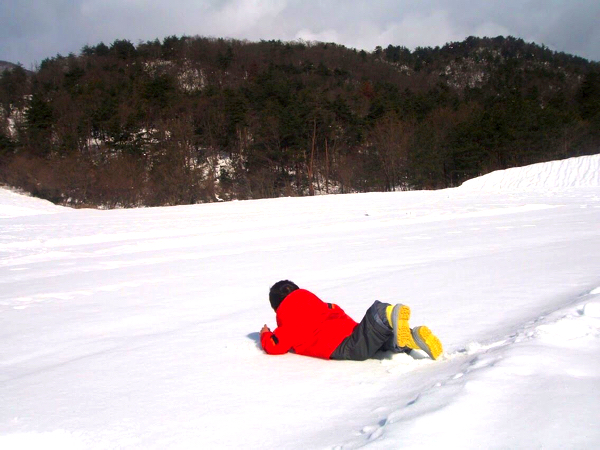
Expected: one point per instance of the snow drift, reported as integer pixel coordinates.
(583, 171)
(13, 204)
(139, 328)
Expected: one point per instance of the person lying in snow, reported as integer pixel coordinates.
(311, 327)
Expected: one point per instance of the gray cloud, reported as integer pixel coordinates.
(31, 31)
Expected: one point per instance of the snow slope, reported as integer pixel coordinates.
(13, 204)
(583, 171)
(139, 328)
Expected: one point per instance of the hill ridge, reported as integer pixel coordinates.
(194, 119)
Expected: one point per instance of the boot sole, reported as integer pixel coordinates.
(427, 341)
(402, 332)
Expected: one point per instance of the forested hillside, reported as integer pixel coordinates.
(194, 119)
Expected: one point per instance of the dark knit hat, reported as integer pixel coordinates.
(279, 291)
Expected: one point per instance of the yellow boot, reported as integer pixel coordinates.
(397, 317)
(427, 341)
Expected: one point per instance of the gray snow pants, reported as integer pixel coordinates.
(371, 335)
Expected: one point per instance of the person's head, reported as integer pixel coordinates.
(279, 291)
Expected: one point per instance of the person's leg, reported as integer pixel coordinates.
(372, 334)
(385, 327)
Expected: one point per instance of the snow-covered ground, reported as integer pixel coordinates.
(139, 328)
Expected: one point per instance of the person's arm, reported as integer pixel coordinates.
(272, 343)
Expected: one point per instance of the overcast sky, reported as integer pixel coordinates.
(32, 30)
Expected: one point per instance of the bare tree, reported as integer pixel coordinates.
(390, 139)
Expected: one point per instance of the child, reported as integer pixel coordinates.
(311, 327)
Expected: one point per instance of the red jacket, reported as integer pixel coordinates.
(308, 326)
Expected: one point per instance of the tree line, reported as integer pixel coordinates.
(193, 119)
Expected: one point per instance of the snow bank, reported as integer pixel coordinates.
(583, 171)
(13, 204)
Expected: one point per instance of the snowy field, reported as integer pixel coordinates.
(139, 328)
